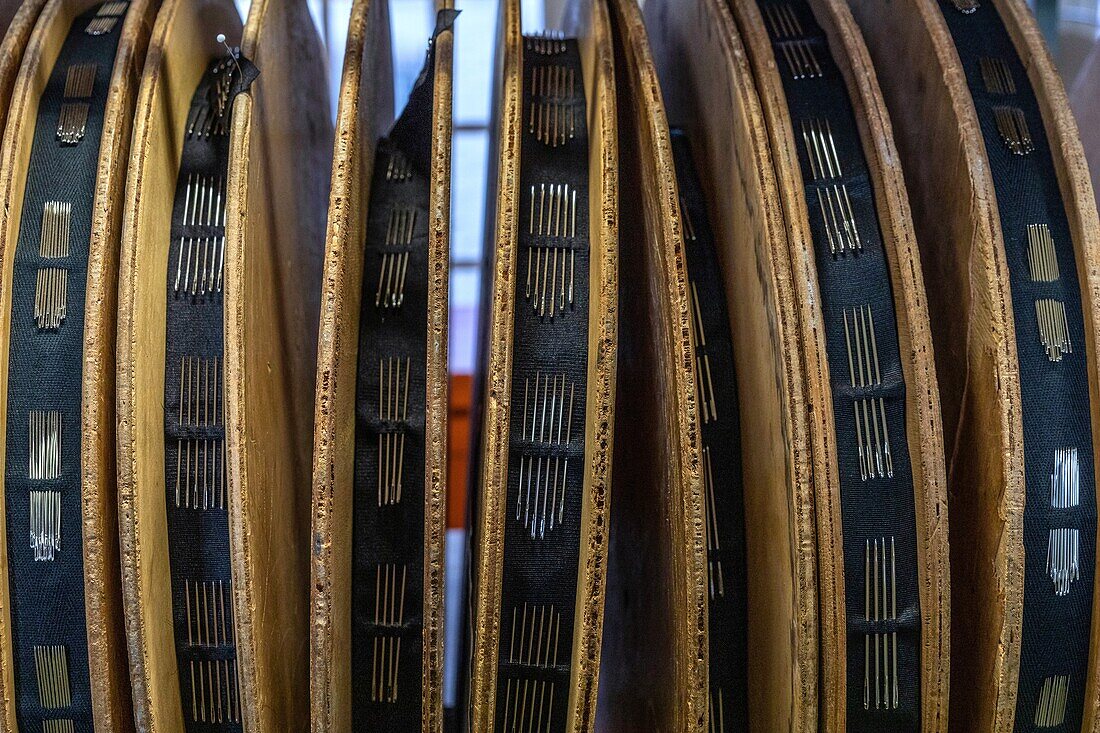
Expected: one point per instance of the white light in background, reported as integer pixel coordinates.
(411, 25)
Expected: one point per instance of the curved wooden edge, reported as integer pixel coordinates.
(364, 113)
(40, 53)
(496, 392)
(709, 90)
(108, 673)
(822, 438)
(277, 189)
(181, 45)
(438, 381)
(923, 423)
(18, 23)
(674, 351)
(236, 192)
(963, 255)
(112, 704)
(597, 59)
(1073, 179)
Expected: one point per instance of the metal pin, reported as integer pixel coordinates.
(1065, 479)
(714, 560)
(1013, 128)
(1050, 712)
(1053, 328)
(841, 228)
(60, 725)
(543, 474)
(1042, 259)
(45, 524)
(51, 667)
(398, 168)
(72, 122)
(867, 616)
(997, 76)
(801, 59)
(98, 26)
(685, 216)
(393, 404)
(112, 9)
(546, 43)
(549, 280)
(539, 630)
(389, 613)
(80, 80)
(880, 604)
(704, 382)
(53, 240)
(817, 135)
(782, 21)
(1062, 559)
(44, 430)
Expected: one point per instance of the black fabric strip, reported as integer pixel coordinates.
(43, 469)
(720, 428)
(388, 532)
(1056, 412)
(194, 414)
(542, 531)
(882, 604)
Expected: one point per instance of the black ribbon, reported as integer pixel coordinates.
(720, 430)
(878, 516)
(387, 613)
(194, 415)
(1056, 403)
(546, 461)
(45, 370)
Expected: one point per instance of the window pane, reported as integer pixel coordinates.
(468, 178)
(411, 25)
(532, 15)
(465, 300)
(475, 39)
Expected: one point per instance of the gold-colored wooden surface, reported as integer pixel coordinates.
(438, 381)
(924, 431)
(590, 24)
(180, 49)
(112, 706)
(489, 486)
(109, 678)
(976, 349)
(364, 114)
(277, 190)
(658, 481)
(592, 28)
(969, 301)
(1074, 181)
(709, 91)
(821, 441)
(17, 19)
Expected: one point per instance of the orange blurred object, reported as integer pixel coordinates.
(458, 448)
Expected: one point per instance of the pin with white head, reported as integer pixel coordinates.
(220, 38)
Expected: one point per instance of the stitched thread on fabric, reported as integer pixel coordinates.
(387, 606)
(47, 614)
(878, 514)
(1055, 394)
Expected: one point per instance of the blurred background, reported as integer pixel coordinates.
(1071, 27)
